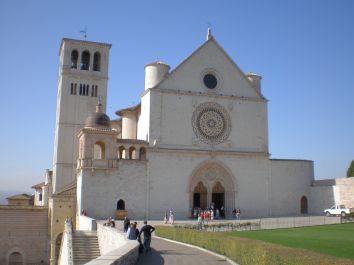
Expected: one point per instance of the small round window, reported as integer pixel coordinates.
(210, 81)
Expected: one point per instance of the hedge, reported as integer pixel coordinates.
(246, 251)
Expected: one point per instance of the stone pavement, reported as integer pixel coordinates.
(165, 252)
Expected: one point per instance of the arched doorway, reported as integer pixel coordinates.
(218, 196)
(200, 196)
(303, 205)
(120, 205)
(217, 183)
(57, 247)
(15, 258)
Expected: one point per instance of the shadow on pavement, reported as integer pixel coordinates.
(152, 257)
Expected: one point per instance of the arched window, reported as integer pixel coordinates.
(97, 62)
(121, 154)
(99, 151)
(132, 153)
(120, 205)
(15, 258)
(303, 205)
(74, 58)
(142, 153)
(85, 60)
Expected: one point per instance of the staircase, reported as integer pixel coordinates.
(85, 246)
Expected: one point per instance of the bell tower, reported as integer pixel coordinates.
(83, 77)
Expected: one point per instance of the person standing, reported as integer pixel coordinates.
(126, 224)
(238, 213)
(146, 230)
(133, 231)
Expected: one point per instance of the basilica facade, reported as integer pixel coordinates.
(198, 138)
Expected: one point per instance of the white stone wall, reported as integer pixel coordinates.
(322, 197)
(100, 190)
(171, 112)
(189, 75)
(290, 180)
(143, 132)
(328, 192)
(169, 185)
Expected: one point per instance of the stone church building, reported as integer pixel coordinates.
(198, 137)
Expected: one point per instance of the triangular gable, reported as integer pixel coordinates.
(188, 76)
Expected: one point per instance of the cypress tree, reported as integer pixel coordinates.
(350, 172)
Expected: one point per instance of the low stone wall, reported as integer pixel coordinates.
(66, 249)
(115, 248)
(86, 223)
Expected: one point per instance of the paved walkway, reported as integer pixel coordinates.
(168, 253)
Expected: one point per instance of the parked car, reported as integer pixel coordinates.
(338, 210)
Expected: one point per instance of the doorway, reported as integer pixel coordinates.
(15, 259)
(200, 196)
(218, 198)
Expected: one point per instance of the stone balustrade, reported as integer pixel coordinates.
(66, 250)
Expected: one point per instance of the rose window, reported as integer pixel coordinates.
(211, 123)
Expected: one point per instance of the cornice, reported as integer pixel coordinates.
(132, 141)
(199, 93)
(97, 131)
(207, 151)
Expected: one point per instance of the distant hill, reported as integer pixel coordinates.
(7, 193)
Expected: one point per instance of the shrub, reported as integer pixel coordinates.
(246, 251)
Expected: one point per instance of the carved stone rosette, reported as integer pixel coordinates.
(211, 123)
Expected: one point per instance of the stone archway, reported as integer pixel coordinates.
(218, 182)
(15, 256)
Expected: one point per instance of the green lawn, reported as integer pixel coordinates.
(334, 240)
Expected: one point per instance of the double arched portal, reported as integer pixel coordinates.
(212, 183)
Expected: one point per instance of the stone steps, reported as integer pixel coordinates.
(85, 246)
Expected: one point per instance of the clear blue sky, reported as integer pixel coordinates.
(303, 49)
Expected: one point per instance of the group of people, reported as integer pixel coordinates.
(236, 213)
(170, 217)
(110, 222)
(209, 214)
(133, 233)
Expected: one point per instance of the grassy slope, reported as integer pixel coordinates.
(334, 240)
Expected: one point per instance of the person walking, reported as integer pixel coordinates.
(146, 230)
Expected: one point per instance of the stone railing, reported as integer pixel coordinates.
(66, 249)
(86, 223)
(115, 248)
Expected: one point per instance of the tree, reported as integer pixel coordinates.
(350, 172)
